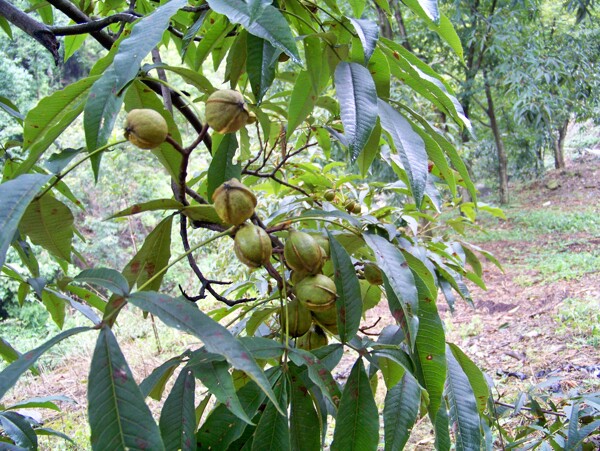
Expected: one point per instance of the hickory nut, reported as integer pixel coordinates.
(317, 292)
(299, 319)
(302, 253)
(252, 246)
(234, 202)
(226, 111)
(146, 128)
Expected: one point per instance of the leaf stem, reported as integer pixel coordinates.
(59, 177)
(350, 229)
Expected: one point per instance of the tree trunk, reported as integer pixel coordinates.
(559, 146)
(500, 150)
(384, 24)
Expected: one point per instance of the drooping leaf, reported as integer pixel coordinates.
(272, 431)
(222, 167)
(58, 161)
(476, 378)
(45, 402)
(425, 8)
(464, 414)
(394, 266)
(7, 352)
(431, 352)
(260, 64)
(185, 316)
(318, 373)
(302, 101)
(215, 376)
(19, 430)
(153, 256)
(357, 420)
(50, 117)
(138, 95)
(154, 384)
(269, 25)
(10, 375)
(105, 277)
(442, 429)
(410, 148)
(16, 195)
(152, 205)
(202, 213)
(8, 106)
(105, 99)
(357, 95)
(400, 412)
(178, 417)
(349, 301)
(6, 27)
(305, 428)
(55, 305)
(357, 6)
(119, 418)
(368, 33)
(49, 223)
(214, 35)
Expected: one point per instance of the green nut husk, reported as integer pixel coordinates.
(146, 128)
(322, 241)
(226, 111)
(327, 319)
(313, 339)
(302, 253)
(299, 319)
(316, 292)
(234, 202)
(252, 246)
(373, 274)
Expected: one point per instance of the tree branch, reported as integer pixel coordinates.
(32, 27)
(95, 25)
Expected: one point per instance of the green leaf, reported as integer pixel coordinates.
(119, 418)
(183, 315)
(446, 31)
(105, 277)
(215, 376)
(302, 101)
(368, 33)
(10, 375)
(88, 297)
(393, 264)
(380, 71)
(7, 352)
(463, 407)
(475, 376)
(349, 301)
(305, 428)
(154, 385)
(49, 223)
(357, 95)
(203, 213)
(270, 25)
(426, 9)
(318, 373)
(178, 415)
(410, 148)
(192, 77)
(430, 350)
(214, 36)
(16, 195)
(370, 152)
(50, 117)
(19, 430)
(221, 167)
(272, 431)
(358, 6)
(357, 420)
(152, 205)
(46, 402)
(6, 27)
(72, 44)
(138, 95)
(105, 99)
(222, 427)
(442, 429)
(8, 106)
(152, 257)
(260, 65)
(55, 306)
(58, 161)
(400, 412)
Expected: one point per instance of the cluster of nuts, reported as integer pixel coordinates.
(314, 306)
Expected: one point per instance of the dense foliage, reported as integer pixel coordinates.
(334, 139)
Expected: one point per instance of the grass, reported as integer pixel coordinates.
(580, 318)
(553, 266)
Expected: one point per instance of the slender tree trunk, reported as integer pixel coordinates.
(559, 146)
(500, 150)
(401, 28)
(384, 24)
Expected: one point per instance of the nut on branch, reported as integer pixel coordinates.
(226, 111)
(252, 246)
(146, 128)
(234, 202)
(302, 253)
